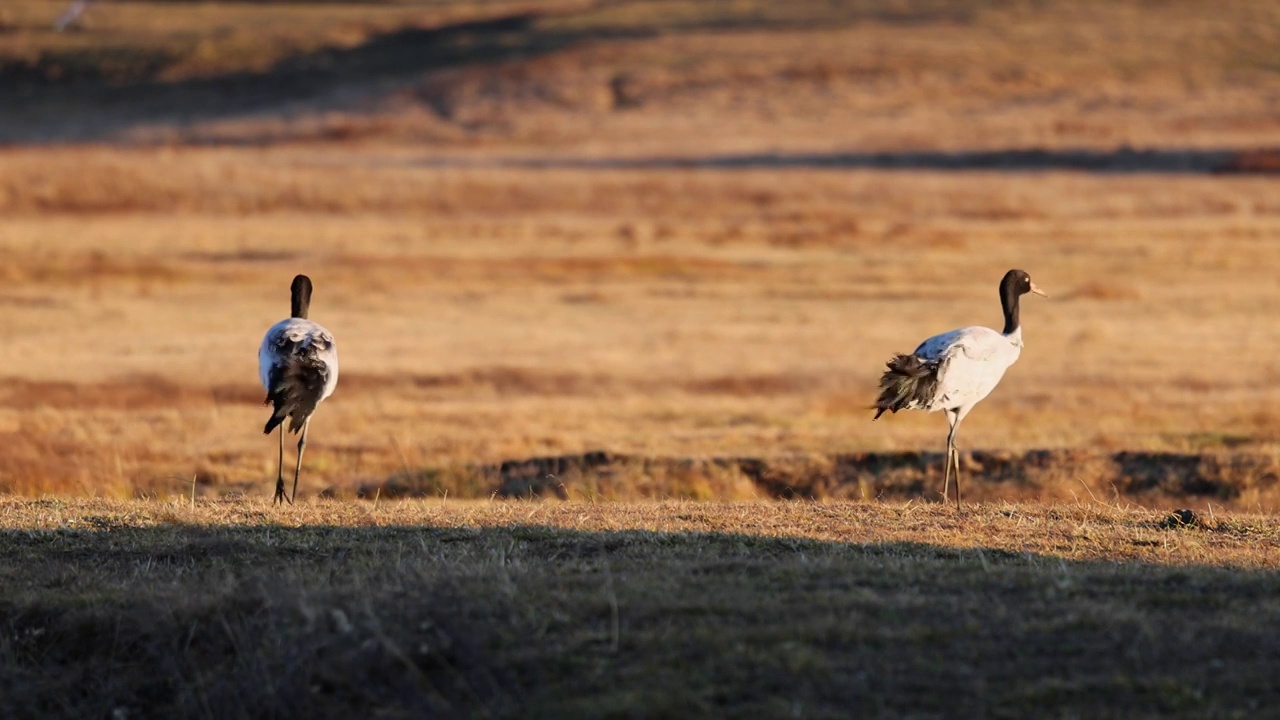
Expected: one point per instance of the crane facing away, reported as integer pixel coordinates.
(298, 364)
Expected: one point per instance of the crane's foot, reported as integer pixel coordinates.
(281, 498)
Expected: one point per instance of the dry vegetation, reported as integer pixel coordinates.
(531, 609)
(644, 228)
(630, 249)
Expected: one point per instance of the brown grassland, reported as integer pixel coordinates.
(631, 250)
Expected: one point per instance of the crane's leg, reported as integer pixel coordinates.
(946, 470)
(302, 447)
(280, 496)
(953, 455)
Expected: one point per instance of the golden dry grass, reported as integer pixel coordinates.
(535, 312)
(488, 307)
(1079, 531)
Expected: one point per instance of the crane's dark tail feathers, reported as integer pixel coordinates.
(909, 382)
(296, 389)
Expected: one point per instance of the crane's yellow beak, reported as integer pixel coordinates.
(1035, 289)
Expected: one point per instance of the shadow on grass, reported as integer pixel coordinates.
(86, 106)
(536, 621)
(100, 93)
(1159, 479)
(1122, 160)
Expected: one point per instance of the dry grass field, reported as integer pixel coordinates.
(603, 251)
(665, 609)
(674, 230)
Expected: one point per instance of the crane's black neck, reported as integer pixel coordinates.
(1009, 301)
(301, 296)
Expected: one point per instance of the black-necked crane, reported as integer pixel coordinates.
(954, 371)
(298, 364)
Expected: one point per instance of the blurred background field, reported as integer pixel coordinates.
(663, 230)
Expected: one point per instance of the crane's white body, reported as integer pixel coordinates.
(971, 362)
(296, 335)
(956, 370)
(298, 366)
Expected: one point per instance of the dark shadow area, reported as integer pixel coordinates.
(537, 621)
(1146, 478)
(84, 105)
(1122, 160)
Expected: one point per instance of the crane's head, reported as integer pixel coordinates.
(1018, 282)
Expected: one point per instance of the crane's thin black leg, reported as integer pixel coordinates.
(302, 447)
(280, 496)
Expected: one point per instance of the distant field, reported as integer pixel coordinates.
(668, 230)
(485, 315)
(518, 609)
(648, 76)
